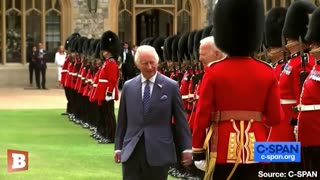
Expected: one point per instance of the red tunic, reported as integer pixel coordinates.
(107, 80)
(64, 72)
(78, 81)
(236, 84)
(88, 81)
(184, 89)
(95, 80)
(83, 82)
(278, 69)
(69, 77)
(290, 90)
(309, 121)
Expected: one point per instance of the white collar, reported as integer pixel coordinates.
(152, 79)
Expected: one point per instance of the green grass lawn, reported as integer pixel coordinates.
(58, 148)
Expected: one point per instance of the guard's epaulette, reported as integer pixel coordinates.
(217, 61)
(266, 63)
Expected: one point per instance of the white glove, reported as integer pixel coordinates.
(201, 165)
(295, 131)
(109, 98)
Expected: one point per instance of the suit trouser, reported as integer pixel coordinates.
(311, 158)
(32, 69)
(137, 167)
(42, 71)
(243, 171)
(67, 94)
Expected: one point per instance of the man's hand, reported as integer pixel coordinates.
(117, 157)
(186, 158)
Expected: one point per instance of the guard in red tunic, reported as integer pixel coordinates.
(235, 94)
(309, 107)
(107, 89)
(300, 64)
(65, 71)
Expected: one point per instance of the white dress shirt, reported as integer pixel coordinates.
(152, 80)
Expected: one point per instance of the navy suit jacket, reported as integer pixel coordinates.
(155, 125)
(40, 63)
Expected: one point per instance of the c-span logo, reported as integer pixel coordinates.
(17, 160)
(277, 151)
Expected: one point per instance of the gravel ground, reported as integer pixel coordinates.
(30, 98)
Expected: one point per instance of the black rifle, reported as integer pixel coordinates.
(284, 51)
(304, 58)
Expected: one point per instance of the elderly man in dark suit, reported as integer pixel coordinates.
(149, 104)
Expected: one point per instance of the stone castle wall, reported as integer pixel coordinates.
(87, 24)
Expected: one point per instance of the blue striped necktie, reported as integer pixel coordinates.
(146, 97)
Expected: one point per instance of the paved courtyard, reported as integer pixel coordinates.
(30, 98)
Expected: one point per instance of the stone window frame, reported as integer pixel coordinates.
(197, 14)
(65, 26)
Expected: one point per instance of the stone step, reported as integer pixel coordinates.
(13, 75)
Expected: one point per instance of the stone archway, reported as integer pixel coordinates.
(197, 11)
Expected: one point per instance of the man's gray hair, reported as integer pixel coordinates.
(146, 48)
(208, 40)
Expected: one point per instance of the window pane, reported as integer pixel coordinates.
(125, 27)
(57, 4)
(33, 28)
(38, 4)
(13, 49)
(148, 1)
(188, 6)
(269, 5)
(278, 3)
(121, 5)
(129, 5)
(140, 2)
(48, 4)
(179, 5)
(160, 1)
(183, 22)
(52, 35)
(18, 4)
(169, 1)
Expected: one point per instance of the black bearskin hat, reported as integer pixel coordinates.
(67, 44)
(190, 43)
(297, 19)
(157, 44)
(183, 52)
(196, 44)
(74, 44)
(97, 54)
(238, 26)
(86, 46)
(174, 49)
(206, 31)
(80, 44)
(273, 26)
(313, 34)
(167, 47)
(111, 43)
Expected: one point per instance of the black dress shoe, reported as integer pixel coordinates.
(64, 114)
